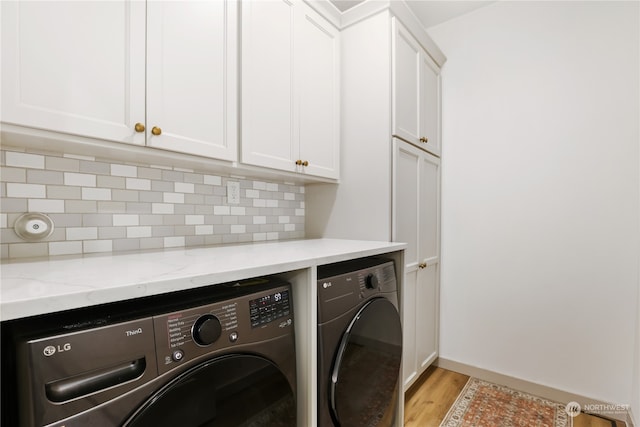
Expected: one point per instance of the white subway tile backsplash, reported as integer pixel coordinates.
(124, 170)
(238, 210)
(45, 205)
(194, 219)
(184, 187)
(252, 194)
(236, 229)
(65, 248)
(162, 208)
(99, 205)
(92, 246)
(80, 179)
(96, 194)
(212, 180)
(125, 220)
(82, 233)
(173, 197)
(221, 210)
(28, 191)
(138, 184)
(142, 231)
(203, 229)
(25, 160)
(173, 242)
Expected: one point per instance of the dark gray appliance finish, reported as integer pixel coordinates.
(359, 344)
(219, 356)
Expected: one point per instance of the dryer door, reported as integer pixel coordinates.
(365, 376)
(233, 390)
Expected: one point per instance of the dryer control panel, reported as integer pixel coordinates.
(342, 286)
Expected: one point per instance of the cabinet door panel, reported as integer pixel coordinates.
(191, 71)
(268, 135)
(426, 318)
(409, 360)
(430, 104)
(319, 56)
(52, 77)
(429, 196)
(406, 90)
(405, 200)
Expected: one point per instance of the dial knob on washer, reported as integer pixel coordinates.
(371, 282)
(206, 330)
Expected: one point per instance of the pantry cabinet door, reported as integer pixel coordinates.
(319, 93)
(429, 105)
(406, 84)
(191, 77)
(269, 110)
(75, 67)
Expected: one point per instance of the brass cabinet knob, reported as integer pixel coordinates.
(422, 265)
(156, 130)
(424, 139)
(139, 127)
(305, 163)
(299, 162)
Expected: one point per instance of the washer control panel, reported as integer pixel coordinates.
(186, 334)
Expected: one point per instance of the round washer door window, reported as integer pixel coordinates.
(365, 376)
(230, 391)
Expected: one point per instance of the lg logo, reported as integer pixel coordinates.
(50, 350)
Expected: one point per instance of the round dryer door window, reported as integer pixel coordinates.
(229, 391)
(365, 376)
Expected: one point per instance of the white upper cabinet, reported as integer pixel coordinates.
(74, 67)
(416, 92)
(290, 88)
(85, 68)
(191, 77)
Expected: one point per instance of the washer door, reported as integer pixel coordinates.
(364, 380)
(234, 390)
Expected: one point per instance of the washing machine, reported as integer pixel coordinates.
(359, 344)
(220, 356)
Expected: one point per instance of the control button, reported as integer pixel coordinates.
(371, 282)
(233, 336)
(177, 355)
(206, 330)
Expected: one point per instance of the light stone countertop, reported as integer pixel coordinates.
(53, 284)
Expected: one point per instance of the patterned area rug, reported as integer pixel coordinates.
(483, 404)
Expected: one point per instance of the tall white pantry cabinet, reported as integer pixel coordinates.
(390, 181)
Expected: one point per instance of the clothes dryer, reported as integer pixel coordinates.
(359, 344)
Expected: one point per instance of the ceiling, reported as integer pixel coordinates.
(429, 12)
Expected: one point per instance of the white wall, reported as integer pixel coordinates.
(541, 193)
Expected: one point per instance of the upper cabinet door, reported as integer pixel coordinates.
(52, 77)
(318, 84)
(290, 88)
(191, 77)
(416, 92)
(269, 137)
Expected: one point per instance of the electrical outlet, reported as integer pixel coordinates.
(233, 192)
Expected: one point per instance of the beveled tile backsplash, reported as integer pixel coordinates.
(98, 205)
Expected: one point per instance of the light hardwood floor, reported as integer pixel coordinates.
(429, 399)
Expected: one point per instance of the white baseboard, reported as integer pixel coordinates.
(532, 388)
